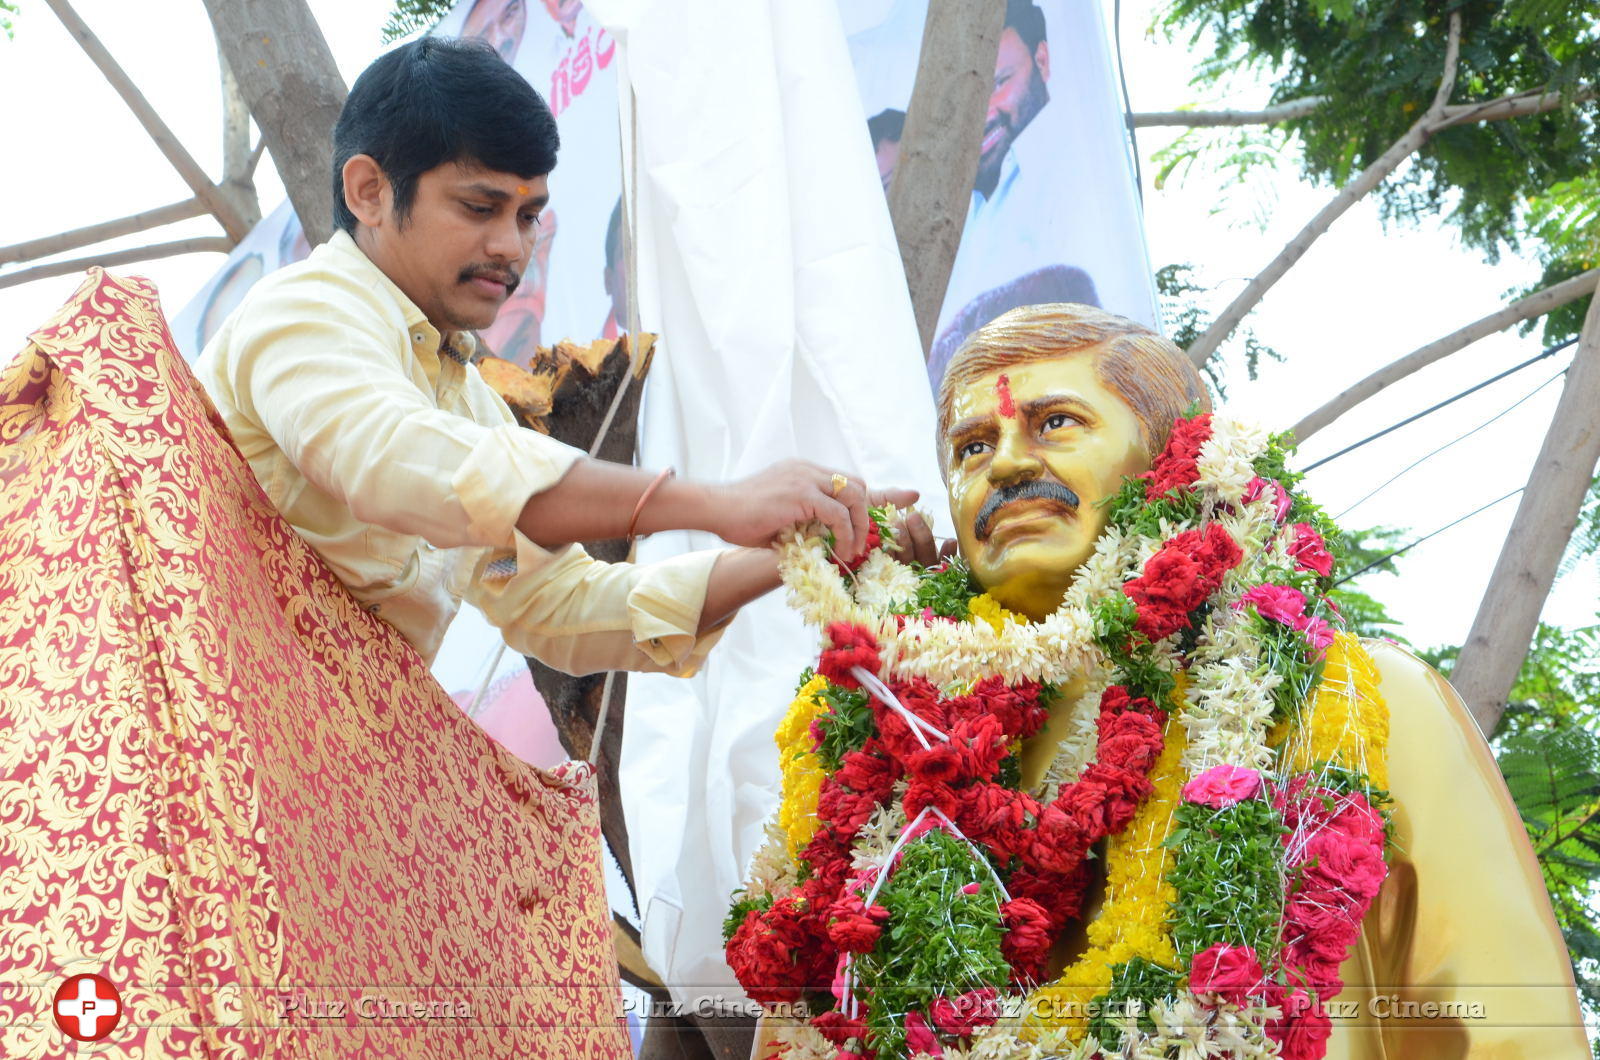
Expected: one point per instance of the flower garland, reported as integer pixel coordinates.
(1226, 744)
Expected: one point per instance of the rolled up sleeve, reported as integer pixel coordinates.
(580, 615)
(332, 393)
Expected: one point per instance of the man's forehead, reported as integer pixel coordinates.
(1071, 374)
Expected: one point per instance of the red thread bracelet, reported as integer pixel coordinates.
(644, 499)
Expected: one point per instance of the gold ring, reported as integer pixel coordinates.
(839, 483)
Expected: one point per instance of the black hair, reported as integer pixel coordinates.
(1025, 17)
(436, 100)
(614, 235)
(887, 124)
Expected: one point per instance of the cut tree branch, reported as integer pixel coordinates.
(216, 202)
(1295, 108)
(220, 244)
(1509, 614)
(1206, 345)
(1534, 305)
(89, 235)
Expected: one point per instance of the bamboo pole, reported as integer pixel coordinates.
(97, 233)
(216, 202)
(220, 244)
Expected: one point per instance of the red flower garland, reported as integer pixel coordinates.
(1177, 467)
(1179, 578)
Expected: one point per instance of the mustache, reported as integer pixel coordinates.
(510, 277)
(1033, 490)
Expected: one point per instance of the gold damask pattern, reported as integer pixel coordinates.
(228, 789)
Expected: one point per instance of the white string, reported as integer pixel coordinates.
(870, 682)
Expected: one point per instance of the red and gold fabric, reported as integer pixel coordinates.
(228, 789)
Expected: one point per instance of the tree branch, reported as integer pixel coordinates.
(1295, 108)
(1517, 105)
(216, 202)
(99, 233)
(220, 244)
(1206, 345)
(1534, 305)
(1509, 613)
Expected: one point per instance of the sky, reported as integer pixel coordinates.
(1361, 297)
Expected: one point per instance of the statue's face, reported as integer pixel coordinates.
(1032, 452)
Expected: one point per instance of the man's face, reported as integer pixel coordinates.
(565, 12)
(465, 245)
(1019, 94)
(888, 152)
(1032, 452)
(500, 23)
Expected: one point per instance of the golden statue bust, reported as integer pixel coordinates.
(1134, 783)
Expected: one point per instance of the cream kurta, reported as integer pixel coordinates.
(396, 461)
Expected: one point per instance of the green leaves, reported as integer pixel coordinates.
(1229, 877)
(940, 940)
(946, 592)
(845, 726)
(1138, 984)
(414, 16)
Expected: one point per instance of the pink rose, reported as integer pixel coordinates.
(1351, 864)
(969, 888)
(1222, 786)
(1230, 972)
(1319, 635)
(920, 1037)
(1281, 603)
(1280, 498)
(1309, 551)
(965, 1013)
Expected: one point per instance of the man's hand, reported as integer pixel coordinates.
(755, 510)
(913, 540)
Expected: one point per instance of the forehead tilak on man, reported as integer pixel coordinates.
(1149, 374)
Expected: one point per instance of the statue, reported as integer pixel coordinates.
(1112, 781)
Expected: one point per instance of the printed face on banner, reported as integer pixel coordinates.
(565, 12)
(501, 23)
(1020, 73)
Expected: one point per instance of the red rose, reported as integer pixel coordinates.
(868, 774)
(1231, 972)
(1104, 799)
(965, 1013)
(1015, 707)
(1309, 551)
(1176, 468)
(996, 816)
(1057, 843)
(982, 743)
(1117, 699)
(920, 1037)
(852, 926)
(939, 764)
(1060, 895)
(1179, 578)
(852, 646)
(1303, 1028)
(1131, 740)
(839, 1028)
(1354, 865)
(921, 794)
(846, 811)
(1026, 943)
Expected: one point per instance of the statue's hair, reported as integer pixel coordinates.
(1151, 375)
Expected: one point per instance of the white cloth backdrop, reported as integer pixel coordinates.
(767, 261)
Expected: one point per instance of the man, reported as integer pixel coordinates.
(499, 23)
(346, 382)
(1021, 68)
(1463, 919)
(885, 129)
(615, 276)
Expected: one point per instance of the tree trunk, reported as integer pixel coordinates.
(1509, 614)
(939, 148)
(287, 75)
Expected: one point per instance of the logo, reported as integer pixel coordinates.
(87, 1008)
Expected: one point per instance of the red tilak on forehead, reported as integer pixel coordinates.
(1002, 386)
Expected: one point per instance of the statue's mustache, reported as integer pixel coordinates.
(1032, 490)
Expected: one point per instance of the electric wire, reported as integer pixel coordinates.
(1550, 352)
(1458, 438)
(1407, 548)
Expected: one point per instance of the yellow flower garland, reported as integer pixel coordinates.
(802, 769)
(1347, 723)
